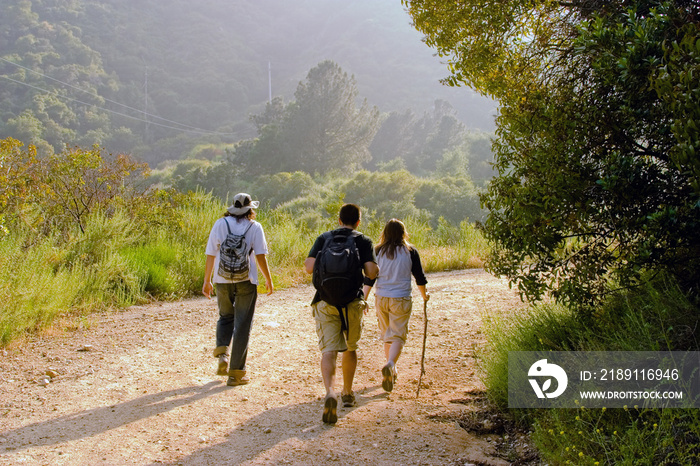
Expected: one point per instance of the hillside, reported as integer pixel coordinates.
(143, 75)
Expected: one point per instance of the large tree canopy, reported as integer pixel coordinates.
(597, 146)
(323, 130)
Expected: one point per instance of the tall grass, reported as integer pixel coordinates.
(652, 318)
(120, 260)
(32, 292)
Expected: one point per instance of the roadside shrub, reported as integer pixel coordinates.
(387, 194)
(131, 252)
(654, 317)
(274, 190)
(452, 198)
(32, 295)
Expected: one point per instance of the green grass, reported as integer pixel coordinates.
(652, 318)
(120, 260)
(32, 292)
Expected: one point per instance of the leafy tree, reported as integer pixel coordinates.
(19, 181)
(282, 187)
(321, 131)
(325, 128)
(388, 194)
(595, 145)
(420, 142)
(79, 182)
(453, 198)
(273, 115)
(394, 138)
(479, 156)
(49, 112)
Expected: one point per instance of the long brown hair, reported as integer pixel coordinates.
(249, 215)
(394, 236)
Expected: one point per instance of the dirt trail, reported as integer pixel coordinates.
(138, 387)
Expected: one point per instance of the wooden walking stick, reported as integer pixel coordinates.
(425, 337)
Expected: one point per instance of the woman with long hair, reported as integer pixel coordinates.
(398, 260)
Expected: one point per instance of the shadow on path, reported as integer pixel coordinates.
(98, 420)
(256, 438)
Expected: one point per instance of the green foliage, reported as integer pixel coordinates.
(655, 317)
(590, 188)
(47, 111)
(282, 187)
(19, 177)
(321, 131)
(630, 436)
(79, 182)
(152, 261)
(452, 197)
(479, 157)
(677, 86)
(32, 293)
(497, 48)
(386, 194)
(422, 143)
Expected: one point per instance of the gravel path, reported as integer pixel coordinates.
(137, 387)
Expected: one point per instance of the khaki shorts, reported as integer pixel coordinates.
(392, 318)
(328, 327)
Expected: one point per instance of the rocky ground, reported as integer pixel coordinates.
(138, 387)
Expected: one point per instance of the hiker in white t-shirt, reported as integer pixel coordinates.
(397, 260)
(236, 299)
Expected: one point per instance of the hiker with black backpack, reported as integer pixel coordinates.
(233, 240)
(339, 260)
(398, 260)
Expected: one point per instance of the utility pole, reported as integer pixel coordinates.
(145, 105)
(269, 81)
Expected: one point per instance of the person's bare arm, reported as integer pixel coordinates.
(309, 264)
(207, 288)
(371, 270)
(424, 292)
(262, 265)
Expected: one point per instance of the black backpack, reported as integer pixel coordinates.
(338, 271)
(234, 256)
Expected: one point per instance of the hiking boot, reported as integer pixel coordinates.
(330, 409)
(348, 400)
(388, 376)
(237, 377)
(222, 368)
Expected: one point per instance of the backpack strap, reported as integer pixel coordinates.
(343, 312)
(229, 228)
(246, 230)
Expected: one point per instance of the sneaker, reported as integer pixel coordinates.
(330, 409)
(348, 400)
(222, 368)
(237, 377)
(388, 376)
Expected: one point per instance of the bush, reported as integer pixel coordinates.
(655, 317)
(154, 249)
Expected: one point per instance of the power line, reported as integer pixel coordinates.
(93, 94)
(208, 133)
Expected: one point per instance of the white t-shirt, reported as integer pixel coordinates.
(394, 279)
(254, 237)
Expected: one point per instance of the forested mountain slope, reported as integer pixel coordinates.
(168, 72)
